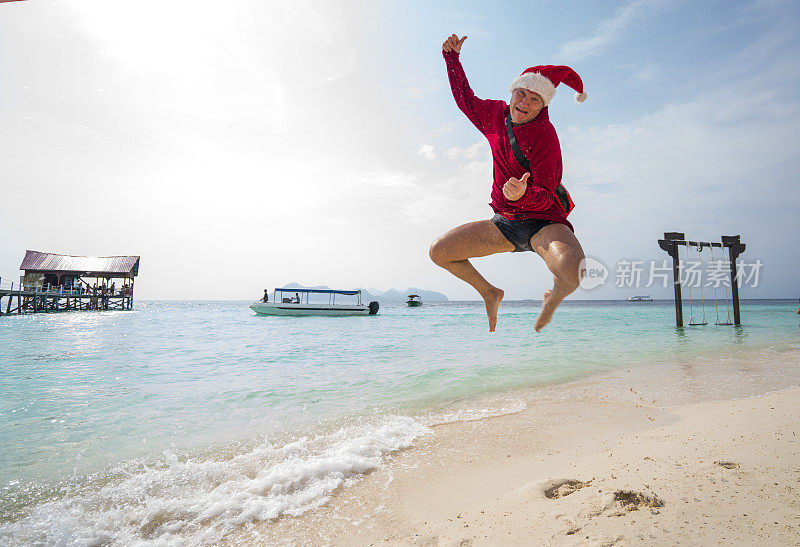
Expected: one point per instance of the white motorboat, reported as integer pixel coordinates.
(299, 303)
(639, 299)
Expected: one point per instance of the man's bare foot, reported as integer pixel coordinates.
(549, 305)
(492, 301)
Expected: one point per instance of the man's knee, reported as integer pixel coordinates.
(436, 252)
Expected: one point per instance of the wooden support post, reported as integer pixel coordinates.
(735, 293)
(735, 248)
(10, 298)
(668, 244)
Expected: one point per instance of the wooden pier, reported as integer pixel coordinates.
(57, 283)
(15, 301)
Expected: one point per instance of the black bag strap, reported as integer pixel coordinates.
(521, 159)
(561, 192)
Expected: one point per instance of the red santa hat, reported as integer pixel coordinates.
(543, 80)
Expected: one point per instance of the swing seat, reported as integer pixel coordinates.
(722, 324)
(697, 324)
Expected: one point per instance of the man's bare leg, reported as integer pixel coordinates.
(453, 250)
(563, 254)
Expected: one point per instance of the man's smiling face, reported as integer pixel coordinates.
(525, 105)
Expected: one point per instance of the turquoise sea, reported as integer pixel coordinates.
(179, 421)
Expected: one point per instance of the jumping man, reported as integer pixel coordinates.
(529, 203)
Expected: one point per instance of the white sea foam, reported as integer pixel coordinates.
(199, 500)
(473, 414)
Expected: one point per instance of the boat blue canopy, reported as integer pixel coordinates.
(317, 291)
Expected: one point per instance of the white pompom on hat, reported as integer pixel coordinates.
(543, 80)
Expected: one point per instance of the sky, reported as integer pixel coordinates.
(246, 144)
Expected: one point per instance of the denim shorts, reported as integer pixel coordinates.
(519, 231)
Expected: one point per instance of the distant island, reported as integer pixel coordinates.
(392, 295)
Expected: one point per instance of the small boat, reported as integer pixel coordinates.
(413, 301)
(639, 299)
(295, 304)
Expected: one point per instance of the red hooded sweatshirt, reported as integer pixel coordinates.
(537, 139)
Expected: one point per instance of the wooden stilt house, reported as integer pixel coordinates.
(56, 282)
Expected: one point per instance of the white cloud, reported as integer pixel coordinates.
(704, 167)
(470, 153)
(609, 30)
(385, 178)
(443, 129)
(426, 151)
(452, 195)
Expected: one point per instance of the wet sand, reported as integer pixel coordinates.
(599, 462)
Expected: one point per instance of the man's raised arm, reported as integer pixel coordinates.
(466, 100)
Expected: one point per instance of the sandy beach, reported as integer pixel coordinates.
(601, 462)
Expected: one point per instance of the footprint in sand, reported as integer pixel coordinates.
(728, 465)
(563, 487)
(628, 500)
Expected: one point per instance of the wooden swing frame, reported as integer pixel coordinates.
(671, 243)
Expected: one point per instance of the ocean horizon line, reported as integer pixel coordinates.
(452, 301)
